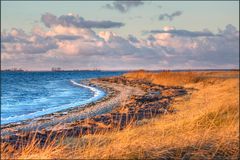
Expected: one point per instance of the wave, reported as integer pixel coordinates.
(97, 95)
(96, 91)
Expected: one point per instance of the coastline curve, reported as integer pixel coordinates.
(98, 94)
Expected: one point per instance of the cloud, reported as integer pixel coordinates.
(67, 37)
(14, 36)
(169, 17)
(185, 33)
(124, 6)
(202, 51)
(71, 47)
(17, 41)
(69, 20)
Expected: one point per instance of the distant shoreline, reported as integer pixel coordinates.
(161, 70)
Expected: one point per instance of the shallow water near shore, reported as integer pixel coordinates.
(26, 95)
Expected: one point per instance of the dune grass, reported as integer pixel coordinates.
(205, 126)
(169, 78)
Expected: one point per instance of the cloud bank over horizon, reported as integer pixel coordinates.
(70, 41)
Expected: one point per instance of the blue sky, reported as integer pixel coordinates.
(141, 18)
(196, 15)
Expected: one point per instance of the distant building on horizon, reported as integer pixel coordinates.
(14, 70)
(54, 69)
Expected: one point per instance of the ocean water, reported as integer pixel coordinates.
(26, 95)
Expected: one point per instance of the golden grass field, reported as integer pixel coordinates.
(204, 126)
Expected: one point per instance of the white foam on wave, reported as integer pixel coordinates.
(96, 91)
(97, 95)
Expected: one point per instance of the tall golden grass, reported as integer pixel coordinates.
(163, 78)
(205, 126)
(169, 78)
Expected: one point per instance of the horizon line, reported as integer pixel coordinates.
(127, 70)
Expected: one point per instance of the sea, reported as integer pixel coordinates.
(26, 95)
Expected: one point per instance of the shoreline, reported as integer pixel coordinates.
(66, 115)
(97, 92)
(126, 101)
(25, 121)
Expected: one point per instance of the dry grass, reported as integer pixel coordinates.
(206, 126)
(164, 78)
(169, 78)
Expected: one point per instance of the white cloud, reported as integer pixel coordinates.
(74, 47)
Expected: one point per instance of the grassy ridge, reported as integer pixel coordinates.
(206, 125)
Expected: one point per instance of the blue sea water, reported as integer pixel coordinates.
(26, 95)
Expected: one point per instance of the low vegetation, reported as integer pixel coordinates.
(204, 126)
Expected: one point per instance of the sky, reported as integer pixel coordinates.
(119, 35)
